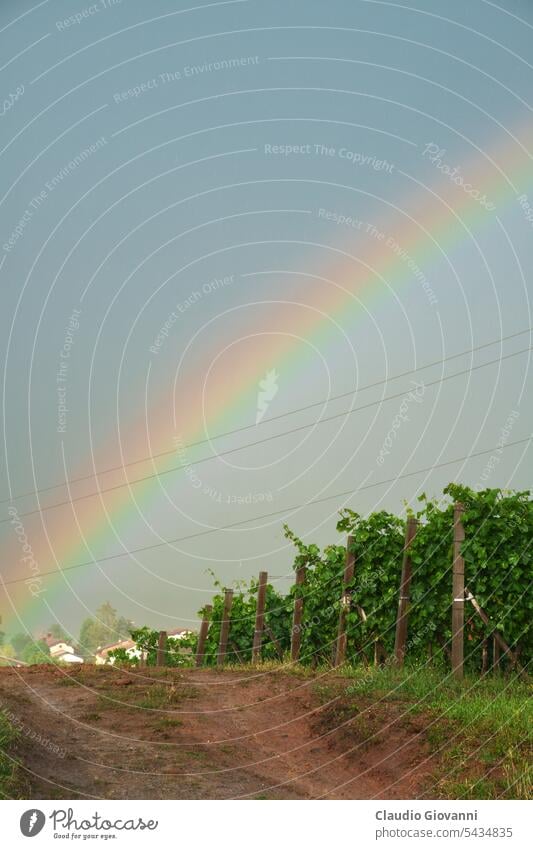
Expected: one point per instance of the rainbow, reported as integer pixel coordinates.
(430, 221)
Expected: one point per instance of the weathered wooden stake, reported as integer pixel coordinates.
(224, 628)
(275, 642)
(495, 654)
(349, 568)
(236, 651)
(259, 617)
(403, 601)
(380, 655)
(458, 593)
(484, 657)
(161, 658)
(499, 642)
(202, 636)
(296, 635)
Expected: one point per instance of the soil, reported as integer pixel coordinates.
(102, 733)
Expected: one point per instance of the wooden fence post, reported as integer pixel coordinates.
(495, 655)
(380, 655)
(484, 656)
(259, 617)
(349, 567)
(403, 601)
(296, 635)
(161, 658)
(202, 636)
(224, 628)
(458, 591)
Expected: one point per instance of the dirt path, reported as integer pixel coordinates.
(103, 733)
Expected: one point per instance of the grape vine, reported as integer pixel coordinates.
(498, 558)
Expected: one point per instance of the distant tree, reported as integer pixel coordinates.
(2, 638)
(124, 628)
(105, 628)
(58, 633)
(88, 639)
(107, 615)
(19, 643)
(36, 652)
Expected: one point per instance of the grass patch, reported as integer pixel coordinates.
(163, 696)
(9, 776)
(90, 717)
(481, 727)
(287, 667)
(158, 696)
(168, 722)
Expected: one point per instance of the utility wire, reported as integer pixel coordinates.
(273, 513)
(269, 420)
(187, 464)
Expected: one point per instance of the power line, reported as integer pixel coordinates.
(267, 421)
(273, 513)
(324, 420)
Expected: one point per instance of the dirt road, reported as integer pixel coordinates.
(100, 732)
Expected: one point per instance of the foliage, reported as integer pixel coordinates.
(276, 639)
(498, 558)
(8, 768)
(377, 544)
(321, 593)
(179, 652)
(7, 653)
(19, 643)
(498, 528)
(106, 628)
(58, 633)
(36, 652)
(497, 551)
(488, 719)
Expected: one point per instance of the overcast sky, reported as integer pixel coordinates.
(214, 214)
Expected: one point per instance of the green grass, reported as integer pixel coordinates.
(167, 722)
(163, 696)
(481, 727)
(153, 697)
(8, 769)
(298, 670)
(91, 716)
